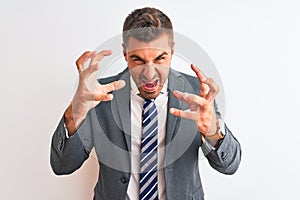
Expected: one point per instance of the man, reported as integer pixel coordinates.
(146, 123)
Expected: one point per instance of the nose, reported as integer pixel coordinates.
(149, 71)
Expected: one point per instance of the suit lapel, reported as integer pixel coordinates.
(122, 106)
(176, 82)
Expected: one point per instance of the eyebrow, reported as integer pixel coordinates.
(137, 57)
(164, 53)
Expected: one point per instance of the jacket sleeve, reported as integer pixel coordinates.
(227, 156)
(68, 154)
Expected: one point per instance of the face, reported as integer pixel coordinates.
(149, 64)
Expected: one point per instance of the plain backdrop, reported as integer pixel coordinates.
(253, 43)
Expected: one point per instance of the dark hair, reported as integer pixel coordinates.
(146, 24)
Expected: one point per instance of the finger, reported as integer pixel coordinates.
(189, 98)
(94, 64)
(204, 89)
(99, 56)
(184, 114)
(99, 97)
(213, 89)
(199, 73)
(83, 58)
(102, 97)
(91, 69)
(208, 87)
(116, 85)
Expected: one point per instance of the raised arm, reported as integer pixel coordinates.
(220, 147)
(72, 140)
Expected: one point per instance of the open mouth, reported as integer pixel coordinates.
(150, 86)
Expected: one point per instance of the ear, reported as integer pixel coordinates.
(172, 48)
(124, 51)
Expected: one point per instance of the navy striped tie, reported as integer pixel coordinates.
(148, 158)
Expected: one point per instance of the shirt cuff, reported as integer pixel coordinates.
(66, 131)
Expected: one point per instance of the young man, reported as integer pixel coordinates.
(146, 123)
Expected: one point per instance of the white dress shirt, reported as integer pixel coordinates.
(136, 103)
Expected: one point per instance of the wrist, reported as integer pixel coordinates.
(69, 121)
(217, 135)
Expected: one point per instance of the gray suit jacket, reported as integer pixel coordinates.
(107, 128)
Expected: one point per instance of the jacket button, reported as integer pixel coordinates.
(124, 180)
(223, 156)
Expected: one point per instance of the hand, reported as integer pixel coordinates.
(89, 92)
(202, 109)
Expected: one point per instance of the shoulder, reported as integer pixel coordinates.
(110, 79)
(189, 80)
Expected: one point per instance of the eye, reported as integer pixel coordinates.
(160, 58)
(138, 61)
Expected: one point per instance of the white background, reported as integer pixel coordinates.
(254, 45)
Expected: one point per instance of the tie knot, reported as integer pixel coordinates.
(148, 102)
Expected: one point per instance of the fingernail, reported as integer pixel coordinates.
(122, 83)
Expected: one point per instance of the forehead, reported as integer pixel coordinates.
(161, 43)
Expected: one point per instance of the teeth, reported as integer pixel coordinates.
(150, 85)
